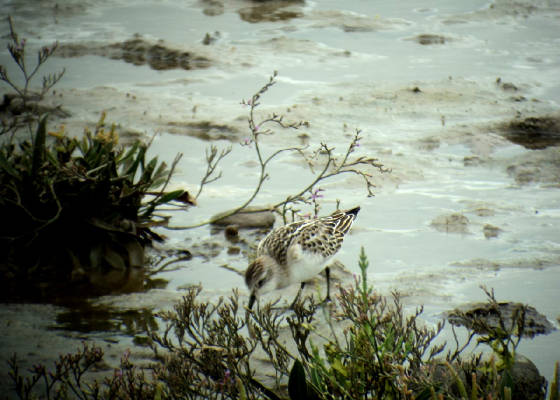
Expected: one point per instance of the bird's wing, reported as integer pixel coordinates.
(321, 237)
(277, 242)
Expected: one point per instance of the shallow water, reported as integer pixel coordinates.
(340, 67)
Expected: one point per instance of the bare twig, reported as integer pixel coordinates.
(331, 167)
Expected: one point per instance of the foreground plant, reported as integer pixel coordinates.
(74, 210)
(225, 351)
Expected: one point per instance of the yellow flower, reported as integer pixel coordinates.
(58, 134)
(107, 137)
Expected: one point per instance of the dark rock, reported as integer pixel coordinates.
(479, 316)
(528, 383)
(232, 233)
(250, 217)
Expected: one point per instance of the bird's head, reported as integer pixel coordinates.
(259, 277)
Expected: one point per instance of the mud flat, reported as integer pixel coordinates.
(459, 99)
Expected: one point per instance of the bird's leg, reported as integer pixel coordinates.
(298, 294)
(328, 275)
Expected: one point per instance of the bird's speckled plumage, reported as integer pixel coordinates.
(298, 251)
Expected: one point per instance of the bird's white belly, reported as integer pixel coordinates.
(304, 266)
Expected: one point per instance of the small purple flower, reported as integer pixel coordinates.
(257, 127)
(316, 194)
(246, 142)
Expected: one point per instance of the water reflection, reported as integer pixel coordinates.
(90, 318)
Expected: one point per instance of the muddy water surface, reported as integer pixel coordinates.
(459, 99)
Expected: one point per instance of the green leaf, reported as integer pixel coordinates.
(167, 197)
(149, 170)
(6, 165)
(337, 366)
(297, 385)
(39, 145)
(137, 161)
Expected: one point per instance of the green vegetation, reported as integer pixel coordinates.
(358, 347)
(77, 214)
(74, 210)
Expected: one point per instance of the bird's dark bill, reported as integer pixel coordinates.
(252, 301)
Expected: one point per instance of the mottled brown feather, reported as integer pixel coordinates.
(323, 236)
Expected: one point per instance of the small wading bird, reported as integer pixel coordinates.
(297, 252)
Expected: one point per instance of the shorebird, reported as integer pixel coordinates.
(297, 252)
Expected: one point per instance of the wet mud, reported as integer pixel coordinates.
(205, 130)
(257, 11)
(270, 11)
(430, 39)
(465, 186)
(534, 133)
(453, 223)
(138, 51)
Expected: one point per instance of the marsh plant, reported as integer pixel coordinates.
(323, 162)
(76, 209)
(223, 350)
(23, 103)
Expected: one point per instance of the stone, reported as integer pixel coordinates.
(232, 233)
(250, 217)
(472, 315)
(528, 383)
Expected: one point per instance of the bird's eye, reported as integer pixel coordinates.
(260, 283)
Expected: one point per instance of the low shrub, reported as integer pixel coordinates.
(74, 210)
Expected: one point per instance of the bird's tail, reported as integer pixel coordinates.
(344, 219)
(353, 211)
